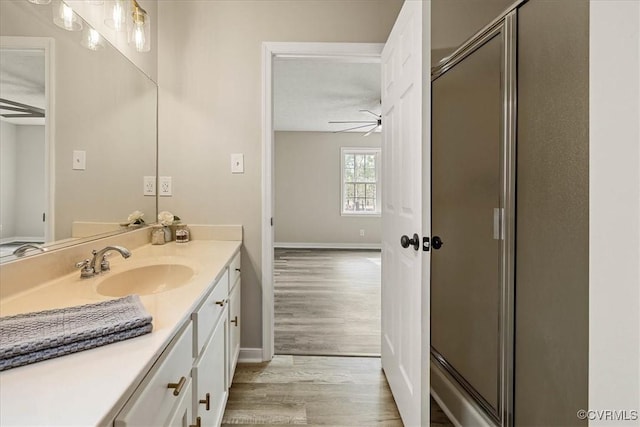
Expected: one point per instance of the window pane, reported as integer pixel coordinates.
(371, 191)
(360, 190)
(371, 205)
(349, 176)
(349, 191)
(370, 175)
(349, 162)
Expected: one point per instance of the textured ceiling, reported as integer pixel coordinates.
(22, 80)
(310, 92)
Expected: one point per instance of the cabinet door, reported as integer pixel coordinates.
(181, 416)
(234, 330)
(154, 401)
(209, 377)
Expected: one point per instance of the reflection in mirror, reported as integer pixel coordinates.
(78, 132)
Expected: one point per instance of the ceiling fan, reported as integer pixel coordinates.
(373, 124)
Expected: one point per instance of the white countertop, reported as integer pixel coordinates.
(90, 387)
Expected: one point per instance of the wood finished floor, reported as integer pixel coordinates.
(315, 390)
(327, 302)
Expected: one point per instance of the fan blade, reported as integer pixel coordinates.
(377, 116)
(371, 131)
(354, 128)
(355, 121)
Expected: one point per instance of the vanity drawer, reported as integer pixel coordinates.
(234, 270)
(205, 318)
(154, 402)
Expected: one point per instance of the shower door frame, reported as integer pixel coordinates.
(506, 27)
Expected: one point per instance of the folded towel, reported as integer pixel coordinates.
(29, 333)
(50, 353)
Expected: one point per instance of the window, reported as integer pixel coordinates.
(360, 186)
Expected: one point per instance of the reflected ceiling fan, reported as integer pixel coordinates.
(373, 124)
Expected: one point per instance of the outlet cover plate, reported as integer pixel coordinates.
(149, 186)
(79, 160)
(237, 163)
(164, 186)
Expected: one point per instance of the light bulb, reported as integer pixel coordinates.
(64, 17)
(138, 36)
(116, 15)
(91, 39)
(67, 17)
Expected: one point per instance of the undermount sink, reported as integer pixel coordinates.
(146, 280)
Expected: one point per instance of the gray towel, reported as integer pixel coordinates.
(57, 330)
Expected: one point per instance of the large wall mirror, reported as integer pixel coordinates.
(78, 126)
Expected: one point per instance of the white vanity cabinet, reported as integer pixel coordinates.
(210, 349)
(189, 384)
(234, 317)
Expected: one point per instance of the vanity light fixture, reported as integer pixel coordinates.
(139, 33)
(91, 39)
(64, 17)
(40, 1)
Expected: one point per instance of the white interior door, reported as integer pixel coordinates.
(402, 211)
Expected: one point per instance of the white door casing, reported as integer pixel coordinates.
(402, 211)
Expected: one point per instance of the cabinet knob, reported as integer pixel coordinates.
(198, 423)
(235, 321)
(238, 270)
(220, 303)
(177, 387)
(206, 402)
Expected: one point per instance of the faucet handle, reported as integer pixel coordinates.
(86, 270)
(104, 264)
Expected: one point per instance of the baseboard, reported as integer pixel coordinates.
(454, 401)
(307, 245)
(250, 355)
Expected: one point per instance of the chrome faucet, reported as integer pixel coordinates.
(22, 249)
(92, 267)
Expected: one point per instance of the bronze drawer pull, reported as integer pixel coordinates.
(220, 303)
(206, 402)
(198, 423)
(177, 387)
(235, 321)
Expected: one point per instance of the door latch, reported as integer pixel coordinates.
(426, 245)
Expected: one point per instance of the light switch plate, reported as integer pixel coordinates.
(79, 160)
(149, 188)
(237, 163)
(164, 183)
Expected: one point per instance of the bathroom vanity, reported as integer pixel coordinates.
(179, 374)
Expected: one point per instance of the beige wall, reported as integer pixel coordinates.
(308, 191)
(209, 73)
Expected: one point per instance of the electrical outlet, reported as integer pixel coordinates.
(165, 186)
(149, 188)
(361, 232)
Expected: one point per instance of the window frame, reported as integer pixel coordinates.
(377, 151)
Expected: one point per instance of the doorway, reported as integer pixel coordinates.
(26, 124)
(272, 52)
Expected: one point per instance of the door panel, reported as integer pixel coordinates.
(466, 188)
(402, 202)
